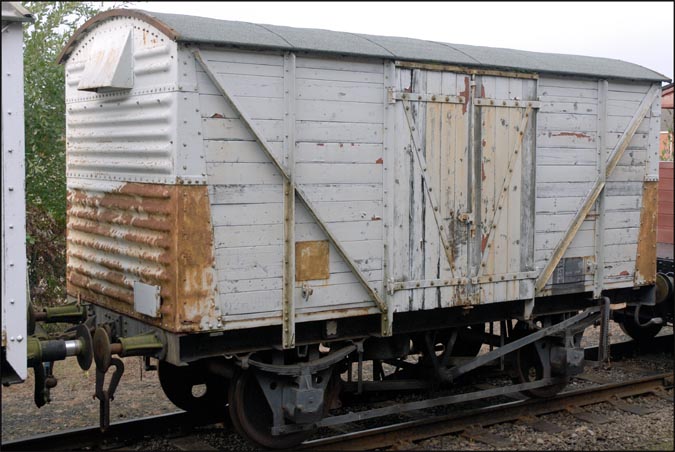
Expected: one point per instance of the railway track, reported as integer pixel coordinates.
(471, 424)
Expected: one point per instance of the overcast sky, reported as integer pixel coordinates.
(638, 32)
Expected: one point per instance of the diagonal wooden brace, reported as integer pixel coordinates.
(302, 196)
(598, 186)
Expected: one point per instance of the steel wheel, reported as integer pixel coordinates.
(529, 369)
(635, 331)
(252, 417)
(178, 383)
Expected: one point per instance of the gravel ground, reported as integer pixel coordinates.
(139, 395)
(624, 431)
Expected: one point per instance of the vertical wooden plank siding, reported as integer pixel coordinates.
(402, 194)
(528, 195)
(432, 242)
(418, 196)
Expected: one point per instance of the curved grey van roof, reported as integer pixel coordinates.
(183, 28)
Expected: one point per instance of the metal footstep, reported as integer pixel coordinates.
(587, 416)
(480, 434)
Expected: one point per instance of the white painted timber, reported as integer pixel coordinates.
(389, 188)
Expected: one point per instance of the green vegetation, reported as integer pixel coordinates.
(44, 94)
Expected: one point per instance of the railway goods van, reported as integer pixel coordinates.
(263, 208)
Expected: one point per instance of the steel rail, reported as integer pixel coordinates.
(117, 433)
(120, 433)
(429, 427)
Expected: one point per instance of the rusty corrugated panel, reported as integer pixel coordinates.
(156, 234)
(645, 263)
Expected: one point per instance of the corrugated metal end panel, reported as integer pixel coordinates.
(156, 234)
(123, 139)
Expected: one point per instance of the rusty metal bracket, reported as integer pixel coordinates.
(426, 283)
(513, 158)
(598, 186)
(440, 98)
(248, 123)
(507, 103)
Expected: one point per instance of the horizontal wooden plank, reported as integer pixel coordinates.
(272, 213)
(586, 157)
(344, 173)
(577, 108)
(243, 85)
(248, 68)
(639, 140)
(623, 236)
(339, 91)
(621, 95)
(562, 139)
(336, 111)
(242, 173)
(566, 122)
(267, 261)
(558, 92)
(343, 75)
(581, 173)
(627, 173)
(572, 204)
(620, 123)
(545, 255)
(568, 83)
(335, 63)
(345, 132)
(273, 234)
(247, 302)
(257, 284)
(562, 173)
(240, 151)
(560, 222)
(339, 153)
(565, 156)
(305, 173)
(335, 295)
(557, 223)
(234, 129)
(255, 194)
(565, 189)
(612, 253)
(215, 105)
(549, 240)
(622, 107)
(235, 56)
(629, 87)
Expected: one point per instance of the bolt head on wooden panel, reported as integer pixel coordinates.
(311, 260)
